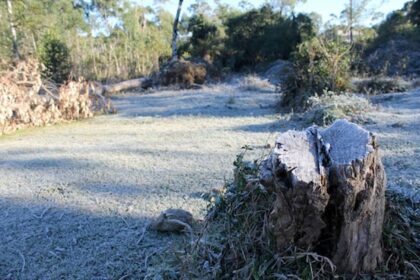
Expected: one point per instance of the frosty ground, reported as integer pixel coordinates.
(75, 199)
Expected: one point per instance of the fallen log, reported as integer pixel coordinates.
(143, 83)
(330, 194)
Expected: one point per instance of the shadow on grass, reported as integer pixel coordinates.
(41, 241)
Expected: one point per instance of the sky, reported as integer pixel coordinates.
(323, 7)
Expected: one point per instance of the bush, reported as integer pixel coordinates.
(318, 65)
(55, 56)
(325, 109)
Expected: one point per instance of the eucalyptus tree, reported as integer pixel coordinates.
(175, 31)
(12, 28)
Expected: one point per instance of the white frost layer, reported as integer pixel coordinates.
(296, 149)
(348, 141)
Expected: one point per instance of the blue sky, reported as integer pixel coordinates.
(322, 7)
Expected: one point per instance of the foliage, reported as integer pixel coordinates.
(319, 65)
(262, 35)
(414, 13)
(396, 23)
(402, 23)
(55, 56)
(206, 39)
(106, 38)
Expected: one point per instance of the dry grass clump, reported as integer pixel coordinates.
(26, 100)
(401, 238)
(183, 73)
(236, 240)
(325, 109)
(255, 83)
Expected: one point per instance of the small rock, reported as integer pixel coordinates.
(173, 220)
(397, 125)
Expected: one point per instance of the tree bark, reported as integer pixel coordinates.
(175, 31)
(351, 21)
(13, 29)
(330, 186)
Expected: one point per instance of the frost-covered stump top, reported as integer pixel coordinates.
(303, 151)
(297, 150)
(348, 142)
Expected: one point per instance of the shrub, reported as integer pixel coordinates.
(55, 56)
(325, 109)
(318, 65)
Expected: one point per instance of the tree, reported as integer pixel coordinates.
(199, 7)
(285, 6)
(355, 13)
(263, 35)
(206, 38)
(175, 31)
(13, 29)
(414, 13)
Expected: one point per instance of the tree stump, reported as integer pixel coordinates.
(330, 188)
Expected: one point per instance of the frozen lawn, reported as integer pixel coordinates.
(75, 198)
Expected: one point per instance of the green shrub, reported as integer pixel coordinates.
(318, 65)
(55, 56)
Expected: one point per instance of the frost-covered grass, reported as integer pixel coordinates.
(255, 83)
(75, 198)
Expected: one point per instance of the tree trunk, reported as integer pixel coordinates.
(13, 29)
(330, 186)
(351, 21)
(175, 32)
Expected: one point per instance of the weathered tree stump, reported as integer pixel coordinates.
(330, 187)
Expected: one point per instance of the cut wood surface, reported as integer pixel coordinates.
(330, 186)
